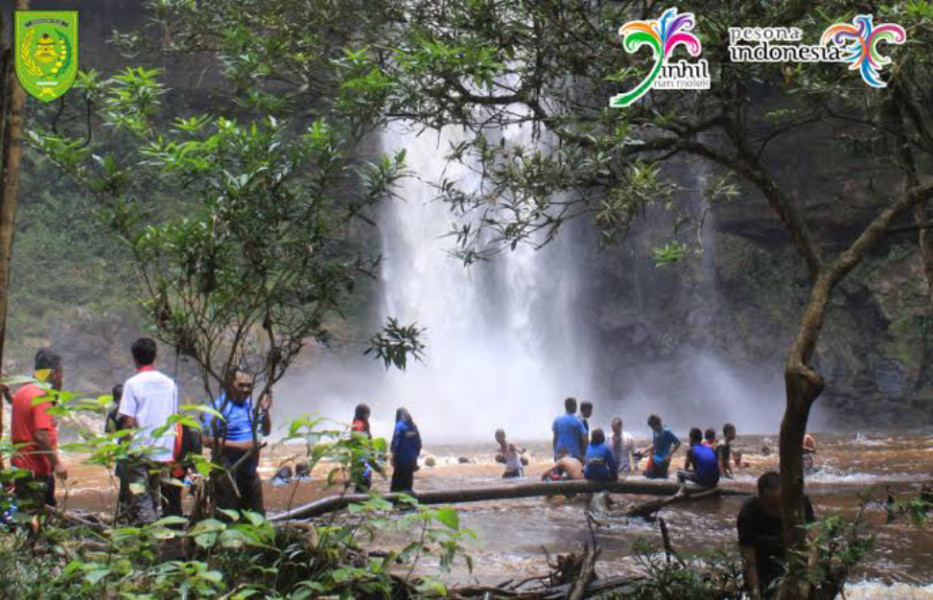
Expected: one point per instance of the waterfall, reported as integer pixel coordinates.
(505, 342)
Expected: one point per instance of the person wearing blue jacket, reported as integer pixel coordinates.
(406, 446)
(599, 464)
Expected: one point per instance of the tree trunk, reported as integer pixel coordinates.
(804, 385)
(631, 485)
(9, 179)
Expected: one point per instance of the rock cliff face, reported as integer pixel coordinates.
(742, 301)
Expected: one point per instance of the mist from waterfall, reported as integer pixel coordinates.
(505, 338)
(508, 339)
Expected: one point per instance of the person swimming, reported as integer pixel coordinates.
(809, 449)
(510, 456)
(282, 477)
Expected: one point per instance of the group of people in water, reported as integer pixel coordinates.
(583, 454)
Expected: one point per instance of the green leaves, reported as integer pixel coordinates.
(395, 343)
(448, 517)
(670, 252)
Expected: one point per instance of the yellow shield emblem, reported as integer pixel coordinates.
(46, 52)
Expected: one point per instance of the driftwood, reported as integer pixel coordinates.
(631, 485)
(648, 509)
(586, 574)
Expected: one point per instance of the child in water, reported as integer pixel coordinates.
(510, 456)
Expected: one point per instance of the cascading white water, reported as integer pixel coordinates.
(504, 337)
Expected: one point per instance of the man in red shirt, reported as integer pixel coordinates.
(35, 434)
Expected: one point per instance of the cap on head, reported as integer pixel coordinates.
(47, 359)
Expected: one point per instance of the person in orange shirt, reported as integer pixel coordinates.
(34, 433)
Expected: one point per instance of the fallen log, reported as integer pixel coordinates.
(631, 485)
(648, 509)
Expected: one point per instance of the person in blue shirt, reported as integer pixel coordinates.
(236, 438)
(600, 464)
(700, 466)
(406, 446)
(569, 432)
(664, 445)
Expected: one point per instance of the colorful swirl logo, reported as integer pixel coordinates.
(662, 36)
(860, 40)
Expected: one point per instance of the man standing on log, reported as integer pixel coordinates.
(569, 433)
(759, 526)
(664, 445)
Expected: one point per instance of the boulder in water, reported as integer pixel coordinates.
(463, 460)
(283, 476)
(302, 471)
(525, 460)
(430, 461)
(765, 450)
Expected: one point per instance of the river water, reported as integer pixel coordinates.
(512, 533)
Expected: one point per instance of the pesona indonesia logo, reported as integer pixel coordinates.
(860, 42)
(856, 43)
(663, 36)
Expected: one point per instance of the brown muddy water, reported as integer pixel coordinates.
(511, 534)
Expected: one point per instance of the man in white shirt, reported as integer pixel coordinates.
(623, 446)
(150, 398)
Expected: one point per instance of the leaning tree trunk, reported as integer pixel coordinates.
(14, 98)
(803, 385)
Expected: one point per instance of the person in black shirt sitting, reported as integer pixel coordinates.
(759, 526)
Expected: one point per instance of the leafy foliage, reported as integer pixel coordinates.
(242, 555)
(259, 261)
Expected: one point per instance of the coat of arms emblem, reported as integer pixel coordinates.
(46, 52)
